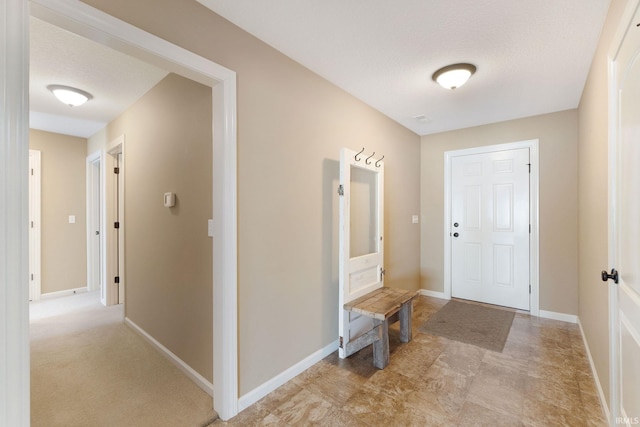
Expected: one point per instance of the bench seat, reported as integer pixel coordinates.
(381, 305)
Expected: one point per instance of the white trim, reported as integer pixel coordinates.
(35, 245)
(113, 239)
(601, 396)
(563, 317)
(267, 387)
(201, 381)
(14, 235)
(64, 293)
(89, 22)
(93, 158)
(534, 197)
(434, 294)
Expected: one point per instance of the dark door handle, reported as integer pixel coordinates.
(455, 224)
(455, 234)
(606, 276)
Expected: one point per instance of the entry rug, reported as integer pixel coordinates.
(474, 324)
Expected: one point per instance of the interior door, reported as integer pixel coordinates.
(361, 232)
(624, 229)
(490, 227)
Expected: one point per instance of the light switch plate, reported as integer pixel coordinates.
(414, 219)
(72, 219)
(210, 227)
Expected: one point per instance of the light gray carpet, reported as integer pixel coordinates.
(474, 324)
(89, 369)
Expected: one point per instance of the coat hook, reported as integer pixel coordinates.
(378, 161)
(367, 159)
(356, 156)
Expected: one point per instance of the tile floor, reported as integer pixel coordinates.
(542, 378)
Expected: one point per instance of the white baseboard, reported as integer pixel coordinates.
(571, 318)
(434, 294)
(603, 400)
(64, 293)
(200, 381)
(262, 390)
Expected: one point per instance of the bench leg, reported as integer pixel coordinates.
(381, 347)
(406, 312)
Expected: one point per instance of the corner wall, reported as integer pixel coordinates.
(558, 209)
(168, 255)
(593, 191)
(64, 245)
(291, 126)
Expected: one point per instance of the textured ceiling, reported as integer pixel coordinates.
(533, 56)
(115, 80)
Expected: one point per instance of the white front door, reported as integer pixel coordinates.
(361, 230)
(490, 227)
(624, 225)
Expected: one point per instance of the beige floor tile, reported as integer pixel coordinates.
(542, 378)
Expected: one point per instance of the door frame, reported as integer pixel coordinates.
(96, 25)
(114, 238)
(534, 255)
(35, 225)
(94, 192)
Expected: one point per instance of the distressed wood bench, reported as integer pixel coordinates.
(382, 305)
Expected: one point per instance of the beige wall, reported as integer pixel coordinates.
(593, 191)
(168, 265)
(64, 245)
(291, 126)
(558, 208)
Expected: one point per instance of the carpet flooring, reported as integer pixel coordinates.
(474, 324)
(89, 369)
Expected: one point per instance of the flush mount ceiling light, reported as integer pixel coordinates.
(454, 76)
(70, 95)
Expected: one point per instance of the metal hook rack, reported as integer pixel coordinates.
(367, 161)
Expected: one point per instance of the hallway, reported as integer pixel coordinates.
(542, 378)
(89, 368)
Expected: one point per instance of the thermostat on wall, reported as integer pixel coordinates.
(169, 200)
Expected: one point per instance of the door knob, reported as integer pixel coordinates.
(606, 276)
(455, 234)
(455, 224)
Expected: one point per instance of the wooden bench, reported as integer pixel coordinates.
(381, 305)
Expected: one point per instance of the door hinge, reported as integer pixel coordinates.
(31, 171)
(31, 276)
(116, 224)
(31, 224)
(116, 170)
(529, 228)
(116, 279)
(340, 190)
(529, 289)
(529, 164)
(341, 342)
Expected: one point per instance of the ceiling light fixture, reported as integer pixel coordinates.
(453, 76)
(70, 95)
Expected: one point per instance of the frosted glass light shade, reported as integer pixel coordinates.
(69, 95)
(454, 76)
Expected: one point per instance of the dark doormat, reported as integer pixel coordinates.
(479, 325)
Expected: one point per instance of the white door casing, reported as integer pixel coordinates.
(624, 220)
(35, 226)
(94, 222)
(361, 232)
(490, 227)
(529, 256)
